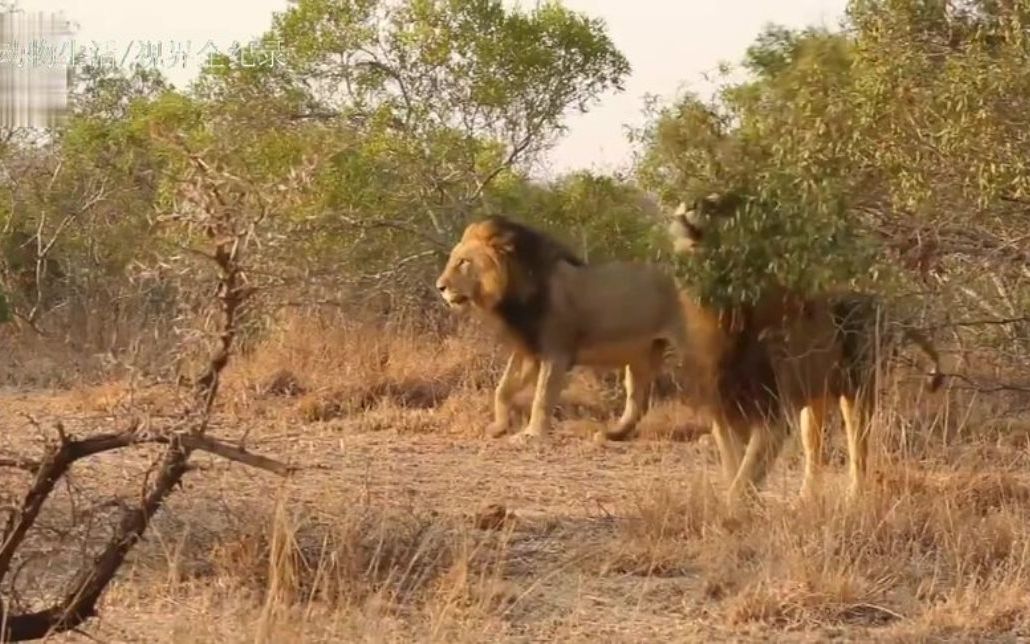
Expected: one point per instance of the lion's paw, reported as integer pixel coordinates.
(528, 437)
(496, 430)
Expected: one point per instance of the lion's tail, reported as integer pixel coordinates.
(936, 378)
(674, 344)
(671, 353)
(855, 311)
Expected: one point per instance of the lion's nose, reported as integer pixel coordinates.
(440, 287)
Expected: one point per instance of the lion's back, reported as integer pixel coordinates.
(617, 299)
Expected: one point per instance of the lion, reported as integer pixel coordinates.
(557, 311)
(785, 355)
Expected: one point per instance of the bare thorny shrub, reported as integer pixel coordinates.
(70, 267)
(215, 205)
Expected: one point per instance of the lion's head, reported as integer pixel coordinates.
(499, 263)
(688, 223)
(475, 271)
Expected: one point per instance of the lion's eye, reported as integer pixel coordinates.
(463, 262)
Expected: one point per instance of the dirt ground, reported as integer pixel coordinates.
(562, 497)
(404, 523)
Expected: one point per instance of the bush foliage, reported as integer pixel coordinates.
(889, 154)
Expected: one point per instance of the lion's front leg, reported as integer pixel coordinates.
(517, 374)
(762, 449)
(549, 383)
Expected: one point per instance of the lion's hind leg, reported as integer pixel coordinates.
(856, 413)
(730, 438)
(639, 378)
(812, 420)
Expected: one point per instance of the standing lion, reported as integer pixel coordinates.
(557, 312)
(782, 356)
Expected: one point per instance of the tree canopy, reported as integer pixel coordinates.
(901, 136)
(891, 153)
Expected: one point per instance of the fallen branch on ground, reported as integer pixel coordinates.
(218, 212)
(107, 442)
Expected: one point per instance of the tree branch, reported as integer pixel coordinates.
(218, 217)
(237, 454)
(109, 442)
(983, 322)
(512, 157)
(395, 225)
(79, 603)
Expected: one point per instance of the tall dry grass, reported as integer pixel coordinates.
(938, 546)
(937, 549)
(403, 376)
(339, 572)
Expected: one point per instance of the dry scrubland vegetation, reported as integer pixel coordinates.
(232, 286)
(387, 531)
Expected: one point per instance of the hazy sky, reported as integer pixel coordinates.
(669, 43)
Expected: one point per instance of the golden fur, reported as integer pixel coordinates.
(558, 312)
(784, 355)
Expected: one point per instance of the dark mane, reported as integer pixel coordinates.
(852, 313)
(532, 259)
(746, 381)
(533, 248)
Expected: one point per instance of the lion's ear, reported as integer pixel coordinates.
(719, 204)
(503, 241)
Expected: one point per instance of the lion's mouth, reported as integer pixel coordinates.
(458, 300)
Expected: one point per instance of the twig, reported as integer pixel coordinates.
(979, 387)
(238, 454)
(395, 225)
(16, 463)
(513, 155)
(983, 322)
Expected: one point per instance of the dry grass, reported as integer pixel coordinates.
(358, 563)
(338, 370)
(389, 534)
(913, 546)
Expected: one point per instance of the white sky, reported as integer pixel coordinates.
(669, 43)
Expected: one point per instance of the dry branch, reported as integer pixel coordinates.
(108, 442)
(79, 603)
(80, 600)
(999, 321)
(237, 454)
(219, 214)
